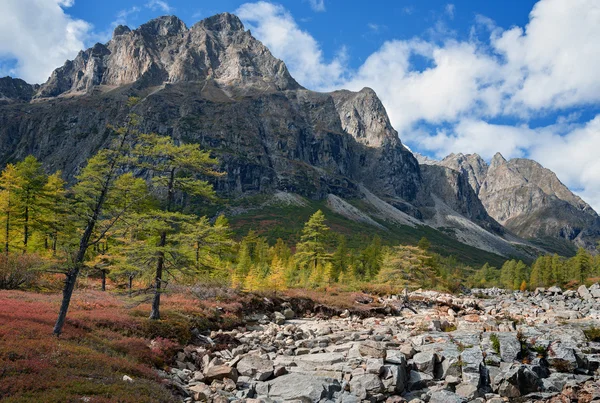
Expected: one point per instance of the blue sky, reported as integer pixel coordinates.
(516, 76)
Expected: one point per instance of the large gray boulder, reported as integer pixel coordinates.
(510, 347)
(472, 359)
(584, 293)
(562, 357)
(303, 387)
(394, 378)
(369, 383)
(425, 362)
(595, 290)
(445, 396)
(254, 366)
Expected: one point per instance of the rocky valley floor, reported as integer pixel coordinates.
(489, 346)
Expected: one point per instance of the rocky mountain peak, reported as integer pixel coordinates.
(363, 115)
(497, 160)
(168, 25)
(224, 22)
(15, 89)
(121, 30)
(164, 50)
(471, 165)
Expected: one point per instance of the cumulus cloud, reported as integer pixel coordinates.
(548, 66)
(459, 80)
(278, 30)
(555, 57)
(573, 156)
(39, 36)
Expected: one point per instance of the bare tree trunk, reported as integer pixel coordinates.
(84, 243)
(7, 230)
(103, 280)
(155, 314)
(67, 294)
(130, 284)
(26, 229)
(54, 241)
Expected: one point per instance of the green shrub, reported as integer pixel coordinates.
(18, 271)
(495, 342)
(593, 333)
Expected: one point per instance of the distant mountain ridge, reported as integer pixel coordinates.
(215, 84)
(527, 198)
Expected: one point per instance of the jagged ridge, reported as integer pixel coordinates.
(216, 85)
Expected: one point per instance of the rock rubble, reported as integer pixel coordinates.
(490, 346)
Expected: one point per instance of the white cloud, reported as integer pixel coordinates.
(548, 66)
(317, 5)
(159, 5)
(276, 28)
(450, 10)
(457, 82)
(555, 58)
(40, 36)
(574, 157)
(478, 136)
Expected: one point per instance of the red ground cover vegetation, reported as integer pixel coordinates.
(103, 340)
(108, 335)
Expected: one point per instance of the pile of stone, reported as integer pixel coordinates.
(491, 346)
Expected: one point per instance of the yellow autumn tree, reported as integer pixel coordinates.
(254, 280)
(277, 275)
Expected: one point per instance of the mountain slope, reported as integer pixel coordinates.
(216, 85)
(529, 200)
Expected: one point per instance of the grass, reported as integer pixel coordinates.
(105, 337)
(541, 351)
(495, 342)
(592, 334)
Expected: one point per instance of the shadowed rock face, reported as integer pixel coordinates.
(528, 199)
(216, 85)
(15, 89)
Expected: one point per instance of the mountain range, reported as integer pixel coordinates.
(282, 144)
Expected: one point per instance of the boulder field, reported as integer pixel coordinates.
(489, 345)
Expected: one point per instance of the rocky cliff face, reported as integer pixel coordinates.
(216, 85)
(471, 165)
(14, 89)
(527, 198)
(165, 50)
(531, 201)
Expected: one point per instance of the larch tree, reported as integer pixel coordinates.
(311, 251)
(53, 211)
(340, 259)
(210, 244)
(32, 179)
(91, 204)
(174, 169)
(9, 186)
